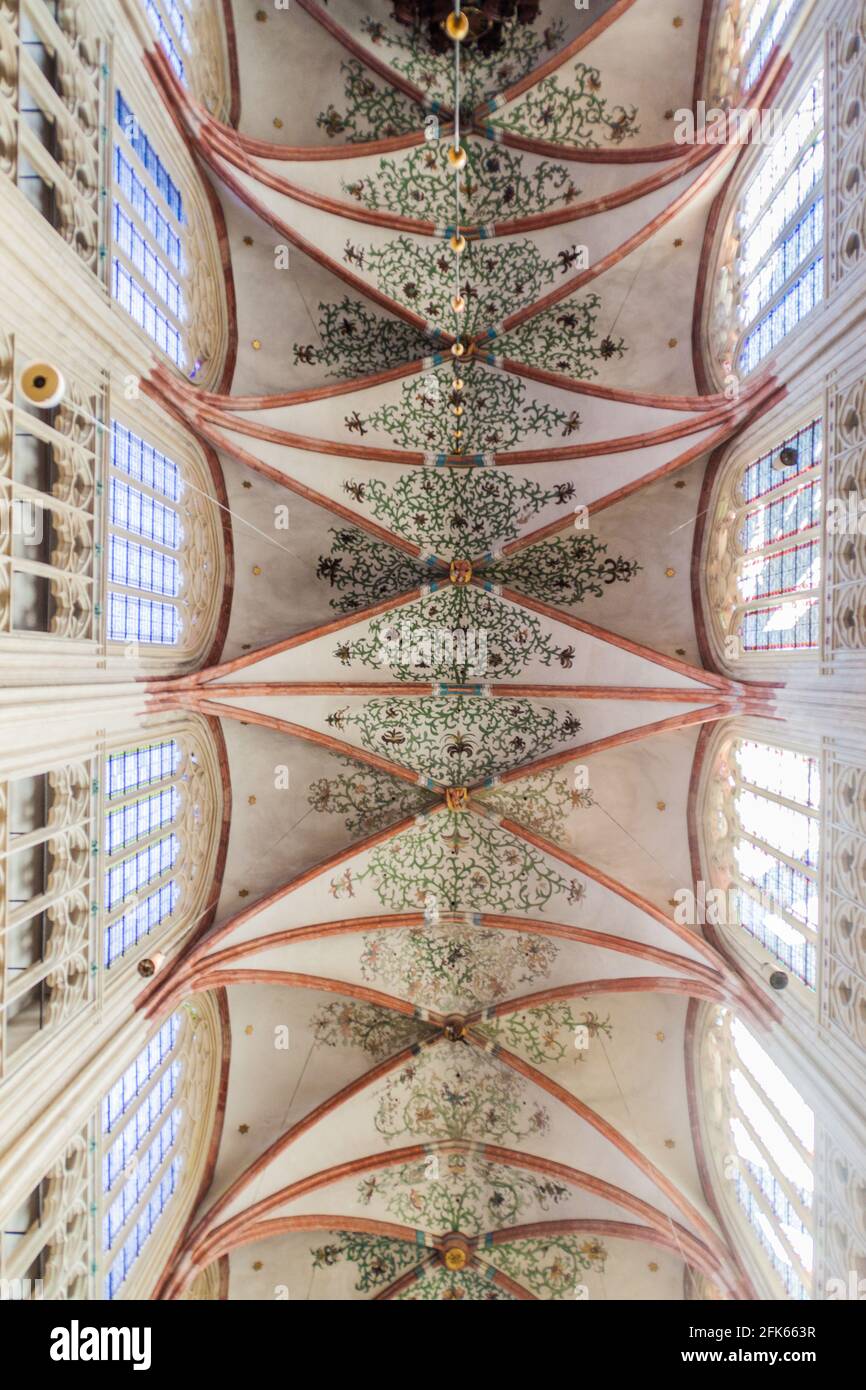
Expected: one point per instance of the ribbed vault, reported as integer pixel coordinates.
(456, 982)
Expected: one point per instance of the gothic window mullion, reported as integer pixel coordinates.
(790, 860)
(779, 909)
(780, 242)
(761, 1200)
(743, 783)
(793, 1195)
(115, 1240)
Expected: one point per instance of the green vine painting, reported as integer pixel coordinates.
(497, 183)
(457, 739)
(353, 341)
(565, 570)
(370, 111)
(441, 1285)
(379, 1260)
(571, 115)
(457, 1092)
(408, 51)
(454, 967)
(451, 511)
(462, 1192)
(550, 1267)
(512, 640)
(367, 798)
(494, 276)
(549, 1033)
(564, 338)
(464, 864)
(363, 570)
(498, 415)
(541, 802)
(377, 1031)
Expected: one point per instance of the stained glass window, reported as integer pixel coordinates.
(762, 25)
(141, 1166)
(771, 1130)
(125, 879)
(780, 268)
(774, 802)
(147, 237)
(171, 32)
(777, 546)
(129, 771)
(145, 566)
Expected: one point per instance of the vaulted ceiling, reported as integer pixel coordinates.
(458, 998)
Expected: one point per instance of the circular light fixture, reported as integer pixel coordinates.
(787, 458)
(458, 383)
(42, 385)
(456, 157)
(457, 349)
(457, 242)
(457, 26)
(458, 303)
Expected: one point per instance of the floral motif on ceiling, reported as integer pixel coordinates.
(549, 1033)
(513, 639)
(462, 1192)
(457, 1092)
(408, 52)
(461, 863)
(566, 570)
(550, 1267)
(378, 1260)
(353, 341)
(454, 967)
(367, 798)
(497, 416)
(455, 511)
(541, 802)
(367, 1027)
(457, 739)
(363, 570)
(497, 277)
(573, 114)
(370, 111)
(564, 339)
(440, 1285)
(497, 183)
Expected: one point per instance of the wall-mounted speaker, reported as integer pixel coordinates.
(42, 384)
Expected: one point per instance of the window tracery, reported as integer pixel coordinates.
(764, 846)
(52, 78)
(100, 856)
(746, 31)
(154, 1131)
(769, 271)
(761, 1137)
(106, 540)
(102, 1219)
(192, 35)
(764, 560)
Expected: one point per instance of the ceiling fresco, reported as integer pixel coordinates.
(461, 689)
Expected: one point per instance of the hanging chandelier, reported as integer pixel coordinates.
(487, 21)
